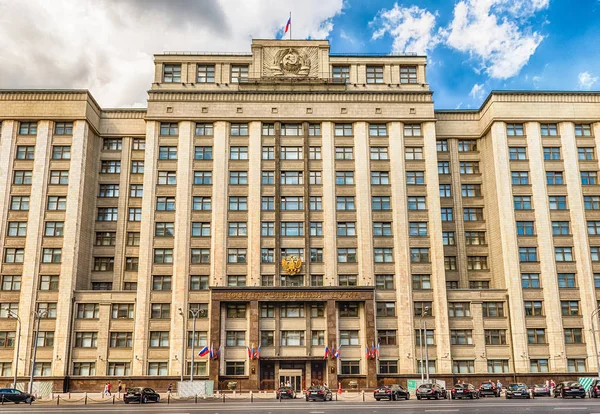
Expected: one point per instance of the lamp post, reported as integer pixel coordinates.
(194, 313)
(423, 314)
(16, 316)
(39, 314)
(183, 356)
(595, 316)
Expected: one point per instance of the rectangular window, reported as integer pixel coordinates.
(346, 177)
(291, 153)
(548, 130)
(200, 256)
(561, 228)
(408, 74)
(345, 203)
(375, 74)
(17, 229)
(379, 153)
(538, 365)
(534, 308)
(382, 229)
(160, 311)
(350, 367)
(583, 130)
(290, 178)
(441, 145)
(520, 177)
(421, 282)
(235, 338)
(112, 144)
(469, 167)
(57, 203)
(386, 309)
(378, 130)
(349, 338)
(344, 153)
(514, 130)
(22, 177)
(473, 214)
(203, 153)
(463, 366)
(108, 190)
(88, 311)
(63, 128)
(292, 203)
(495, 336)
(28, 128)
(467, 145)
(551, 153)
(340, 74)
(235, 368)
(384, 282)
(239, 73)
(238, 153)
(205, 74)
(240, 130)
(527, 254)
(461, 337)
(171, 73)
(343, 130)
(459, 310)
(202, 203)
(493, 309)
(573, 336)
(412, 178)
(61, 152)
(347, 280)
(110, 167)
(198, 282)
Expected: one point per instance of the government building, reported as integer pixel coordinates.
(276, 205)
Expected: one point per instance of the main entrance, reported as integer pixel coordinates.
(291, 378)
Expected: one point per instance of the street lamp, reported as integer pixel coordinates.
(194, 313)
(595, 316)
(39, 314)
(183, 356)
(15, 315)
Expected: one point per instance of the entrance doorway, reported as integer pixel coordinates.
(291, 378)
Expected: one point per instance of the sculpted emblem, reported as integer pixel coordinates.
(291, 265)
(290, 62)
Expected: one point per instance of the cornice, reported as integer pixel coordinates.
(124, 113)
(300, 97)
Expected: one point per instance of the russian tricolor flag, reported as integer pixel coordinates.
(288, 24)
(204, 351)
(337, 353)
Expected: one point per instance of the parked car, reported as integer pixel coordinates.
(140, 395)
(595, 389)
(569, 389)
(489, 388)
(464, 391)
(285, 392)
(430, 391)
(517, 390)
(391, 392)
(540, 390)
(319, 393)
(16, 396)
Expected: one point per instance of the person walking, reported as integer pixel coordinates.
(499, 386)
(170, 388)
(108, 387)
(120, 388)
(105, 391)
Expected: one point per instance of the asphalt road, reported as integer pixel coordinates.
(486, 406)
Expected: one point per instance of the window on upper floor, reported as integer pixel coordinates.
(171, 73)
(375, 74)
(583, 130)
(340, 73)
(63, 128)
(514, 130)
(205, 74)
(408, 74)
(548, 130)
(239, 73)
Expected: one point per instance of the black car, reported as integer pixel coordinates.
(319, 393)
(16, 396)
(285, 392)
(464, 391)
(569, 389)
(595, 389)
(517, 390)
(540, 390)
(489, 388)
(391, 392)
(140, 395)
(429, 391)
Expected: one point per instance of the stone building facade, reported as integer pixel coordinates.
(481, 226)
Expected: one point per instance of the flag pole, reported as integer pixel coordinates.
(290, 25)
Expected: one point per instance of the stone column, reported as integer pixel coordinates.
(254, 203)
(123, 206)
(35, 230)
(459, 233)
(215, 338)
(7, 145)
(478, 337)
(371, 337)
(218, 241)
(504, 252)
(70, 250)
(253, 379)
(581, 250)
(331, 365)
(402, 278)
(146, 256)
(364, 221)
(438, 274)
(181, 247)
(545, 241)
(329, 203)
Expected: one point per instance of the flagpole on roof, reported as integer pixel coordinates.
(290, 25)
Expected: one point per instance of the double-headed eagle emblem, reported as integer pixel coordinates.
(291, 265)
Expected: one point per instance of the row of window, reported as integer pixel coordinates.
(554, 177)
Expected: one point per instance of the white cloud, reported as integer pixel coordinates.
(477, 92)
(488, 31)
(412, 28)
(107, 45)
(586, 80)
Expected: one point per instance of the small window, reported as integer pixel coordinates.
(375, 74)
(206, 74)
(408, 74)
(239, 73)
(171, 73)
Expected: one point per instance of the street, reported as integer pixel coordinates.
(485, 405)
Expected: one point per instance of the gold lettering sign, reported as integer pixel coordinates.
(291, 265)
(286, 295)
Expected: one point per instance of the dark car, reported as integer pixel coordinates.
(517, 390)
(540, 390)
(16, 396)
(391, 392)
(489, 388)
(140, 395)
(430, 391)
(595, 389)
(285, 392)
(569, 389)
(464, 391)
(319, 393)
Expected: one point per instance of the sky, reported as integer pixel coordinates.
(472, 46)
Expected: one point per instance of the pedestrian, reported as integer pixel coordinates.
(547, 384)
(499, 386)
(170, 388)
(552, 384)
(120, 388)
(108, 387)
(105, 392)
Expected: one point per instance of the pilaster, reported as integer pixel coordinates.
(254, 203)
(329, 206)
(218, 250)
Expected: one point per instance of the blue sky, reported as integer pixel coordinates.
(473, 46)
(569, 45)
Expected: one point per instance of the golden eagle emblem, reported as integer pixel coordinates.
(291, 265)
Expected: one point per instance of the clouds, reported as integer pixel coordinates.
(493, 40)
(412, 28)
(107, 45)
(495, 34)
(586, 80)
(477, 92)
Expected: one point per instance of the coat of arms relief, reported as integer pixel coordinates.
(301, 62)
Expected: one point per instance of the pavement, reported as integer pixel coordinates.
(485, 405)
